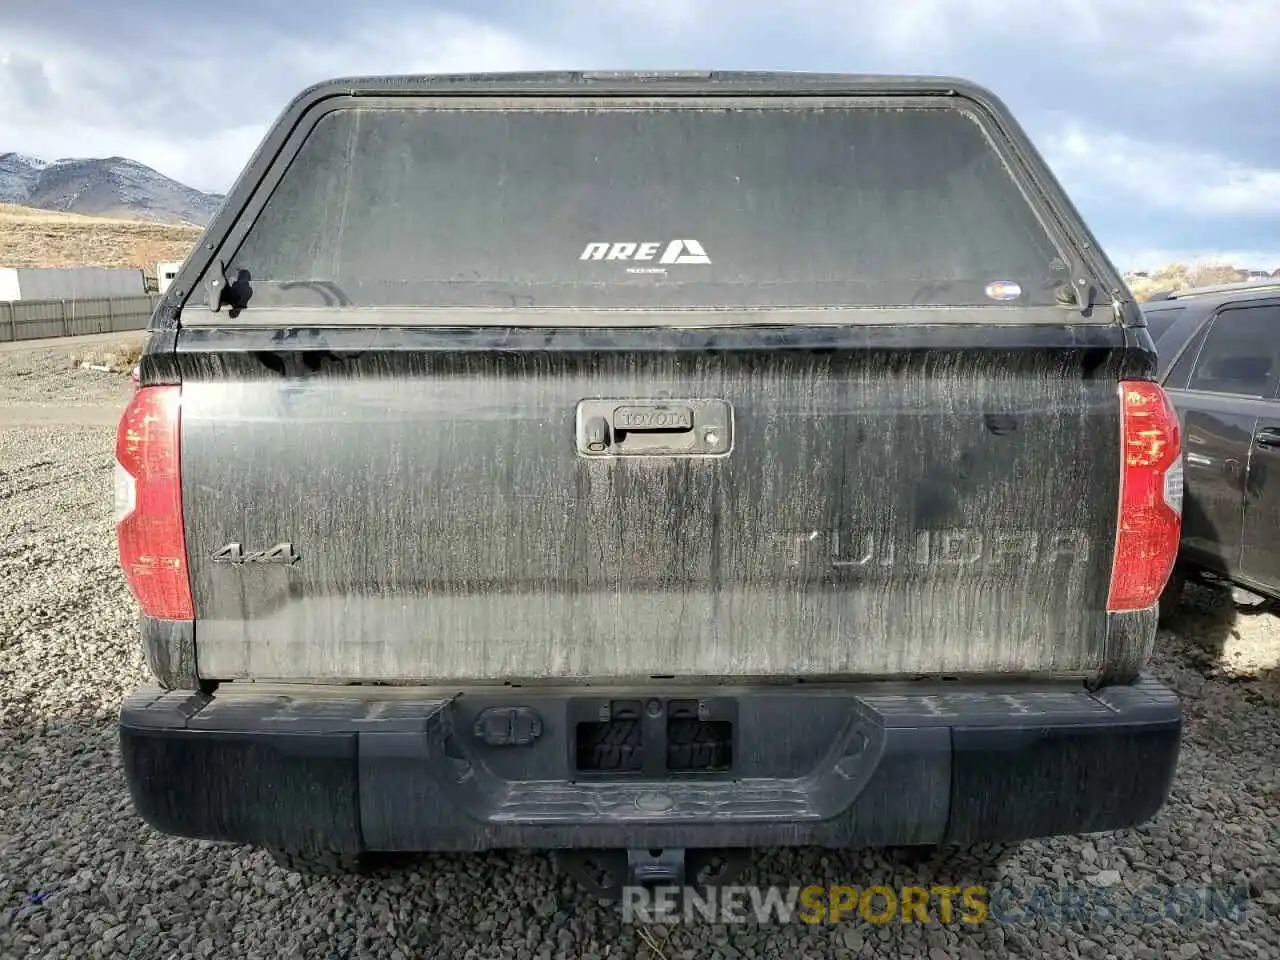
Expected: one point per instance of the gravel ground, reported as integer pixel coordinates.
(47, 375)
(81, 876)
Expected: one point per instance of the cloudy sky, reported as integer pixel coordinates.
(1159, 117)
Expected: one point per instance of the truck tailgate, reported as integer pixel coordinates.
(877, 512)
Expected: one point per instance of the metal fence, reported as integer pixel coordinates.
(36, 319)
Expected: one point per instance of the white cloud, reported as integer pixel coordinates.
(1165, 176)
(94, 104)
(1236, 38)
(1213, 38)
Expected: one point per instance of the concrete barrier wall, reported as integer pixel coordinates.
(37, 319)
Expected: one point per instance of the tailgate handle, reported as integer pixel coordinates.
(654, 428)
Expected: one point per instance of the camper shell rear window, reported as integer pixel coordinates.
(795, 202)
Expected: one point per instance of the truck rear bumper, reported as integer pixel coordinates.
(350, 769)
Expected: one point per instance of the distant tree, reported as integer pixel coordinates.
(1179, 276)
(1172, 276)
(1211, 273)
(146, 253)
(1141, 287)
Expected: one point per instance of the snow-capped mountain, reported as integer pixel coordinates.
(19, 176)
(112, 187)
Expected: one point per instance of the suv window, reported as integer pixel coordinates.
(1181, 372)
(1159, 321)
(1239, 353)
(642, 206)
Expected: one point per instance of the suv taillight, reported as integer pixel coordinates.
(1150, 522)
(148, 504)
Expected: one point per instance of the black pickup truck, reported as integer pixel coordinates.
(641, 464)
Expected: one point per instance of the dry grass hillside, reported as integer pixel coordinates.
(44, 238)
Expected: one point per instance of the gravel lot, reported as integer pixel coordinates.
(81, 876)
(45, 374)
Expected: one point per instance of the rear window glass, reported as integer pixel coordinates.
(1159, 321)
(634, 207)
(1176, 379)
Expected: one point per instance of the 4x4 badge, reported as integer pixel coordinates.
(234, 553)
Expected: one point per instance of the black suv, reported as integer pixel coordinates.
(1219, 353)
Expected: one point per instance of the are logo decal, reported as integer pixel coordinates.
(674, 252)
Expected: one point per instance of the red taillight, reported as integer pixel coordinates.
(1150, 522)
(153, 550)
